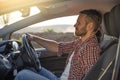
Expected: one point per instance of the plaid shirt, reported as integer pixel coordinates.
(85, 56)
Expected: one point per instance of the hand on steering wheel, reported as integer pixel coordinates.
(30, 52)
(29, 36)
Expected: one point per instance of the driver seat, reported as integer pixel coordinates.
(108, 65)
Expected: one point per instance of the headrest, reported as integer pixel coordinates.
(106, 23)
(114, 21)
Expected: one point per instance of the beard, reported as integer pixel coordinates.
(81, 32)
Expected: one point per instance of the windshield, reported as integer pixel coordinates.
(15, 16)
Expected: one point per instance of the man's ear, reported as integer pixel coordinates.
(90, 26)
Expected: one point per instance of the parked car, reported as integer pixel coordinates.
(16, 55)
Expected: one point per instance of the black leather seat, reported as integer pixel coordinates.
(103, 69)
(108, 39)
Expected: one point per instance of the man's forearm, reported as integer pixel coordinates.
(50, 45)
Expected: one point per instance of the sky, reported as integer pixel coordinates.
(58, 21)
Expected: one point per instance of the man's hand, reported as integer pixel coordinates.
(50, 45)
(29, 36)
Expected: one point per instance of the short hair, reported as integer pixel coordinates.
(95, 16)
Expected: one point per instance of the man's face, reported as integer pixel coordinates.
(81, 26)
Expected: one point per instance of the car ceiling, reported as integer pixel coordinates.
(50, 9)
(47, 5)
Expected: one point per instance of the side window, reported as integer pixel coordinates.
(59, 29)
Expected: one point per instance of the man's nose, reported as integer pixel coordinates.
(75, 25)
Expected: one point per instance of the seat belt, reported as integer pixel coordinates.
(117, 63)
(105, 69)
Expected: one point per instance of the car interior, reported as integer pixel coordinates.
(15, 56)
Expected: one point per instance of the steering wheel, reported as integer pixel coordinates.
(31, 54)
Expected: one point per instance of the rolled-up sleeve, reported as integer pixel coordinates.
(66, 47)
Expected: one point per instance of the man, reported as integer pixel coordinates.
(83, 52)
